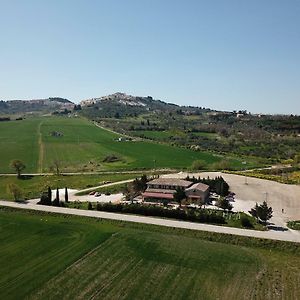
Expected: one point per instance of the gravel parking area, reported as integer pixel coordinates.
(251, 190)
(90, 198)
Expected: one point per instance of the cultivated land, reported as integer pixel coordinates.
(83, 147)
(49, 256)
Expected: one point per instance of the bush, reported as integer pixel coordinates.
(111, 158)
(198, 165)
(246, 222)
(294, 225)
(201, 216)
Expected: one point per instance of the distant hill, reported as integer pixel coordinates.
(36, 105)
(121, 104)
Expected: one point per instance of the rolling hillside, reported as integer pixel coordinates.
(78, 145)
(37, 105)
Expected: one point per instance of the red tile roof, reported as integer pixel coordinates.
(157, 195)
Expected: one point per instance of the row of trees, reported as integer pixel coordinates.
(218, 184)
(46, 198)
(201, 216)
(19, 166)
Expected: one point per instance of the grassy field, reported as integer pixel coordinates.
(19, 140)
(83, 147)
(33, 186)
(46, 256)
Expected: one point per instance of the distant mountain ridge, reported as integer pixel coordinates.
(35, 105)
(114, 105)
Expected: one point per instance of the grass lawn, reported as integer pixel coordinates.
(32, 186)
(294, 225)
(83, 147)
(47, 256)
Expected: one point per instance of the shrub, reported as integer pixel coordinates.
(246, 222)
(198, 165)
(201, 216)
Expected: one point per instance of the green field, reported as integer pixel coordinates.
(84, 146)
(33, 186)
(46, 256)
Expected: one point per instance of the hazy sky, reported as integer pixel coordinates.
(222, 54)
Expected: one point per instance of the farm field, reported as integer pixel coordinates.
(78, 145)
(19, 140)
(32, 186)
(66, 257)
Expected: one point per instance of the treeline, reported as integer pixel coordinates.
(46, 198)
(200, 216)
(217, 185)
(4, 119)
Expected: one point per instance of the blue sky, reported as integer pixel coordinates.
(233, 54)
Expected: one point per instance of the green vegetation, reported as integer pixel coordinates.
(288, 175)
(55, 256)
(262, 212)
(62, 144)
(33, 186)
(294, 225)
(19, 140)
(267, 139)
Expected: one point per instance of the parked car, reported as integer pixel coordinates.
(92, 193)
(97, 194)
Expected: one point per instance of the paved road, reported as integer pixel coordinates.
(290, 235)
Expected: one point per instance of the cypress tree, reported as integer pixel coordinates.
(56, 200)
(49, 200)
(66, 195)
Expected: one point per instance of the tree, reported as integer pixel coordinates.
(253, 211)
(179, 195)
(56, 200)
(44, 199)
(18, 165)
(66, 195)
(56, 166)
(16, 191)
(49, 196)
(224, 204)
(262, 212)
